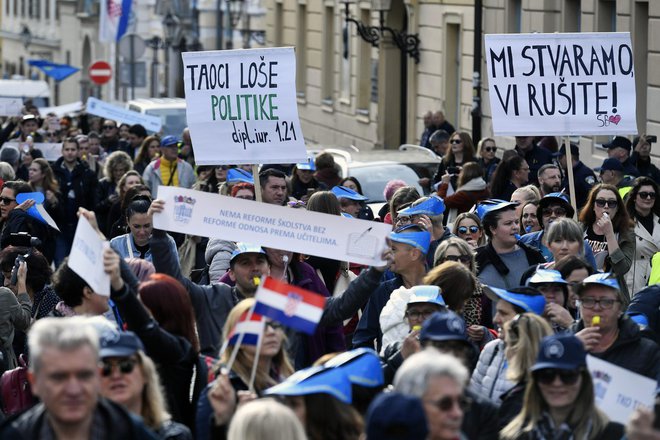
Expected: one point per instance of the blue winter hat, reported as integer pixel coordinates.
(561, 351)
(534, 303)
(606, 279)
(443, 326)
(396, 416)
(546, 276)
(346, 193)
(427, 294)
(433, 206)
(491, 205)
(315, 380)
(119, 344)
(236, 175)
(169, 141)
(246, 248)
(362, 366)
(307, 166)
(411, 235)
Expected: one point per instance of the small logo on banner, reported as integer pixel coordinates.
(183, 208)
(601, 383)
(293, 300)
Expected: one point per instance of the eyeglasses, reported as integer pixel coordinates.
(464, 229)
(109, 127)
(558, 211)
(419, 314)
(490, 149)
(6, 200)
(274, 325)
(548, 375)
(590, 303)
(465, 259)
(455, 141)
(447, 403)
(610, 203)
(126, 366)
(646, 195)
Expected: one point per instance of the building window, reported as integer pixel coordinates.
(364, 69)
(279, 24)
(345, 64)
(301, 51)
(23, 7)
(514, 16)
(606, 16)
(328, 72)
(572, 15)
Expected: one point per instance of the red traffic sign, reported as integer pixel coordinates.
(100, 72)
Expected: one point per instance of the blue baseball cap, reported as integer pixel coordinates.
(606, 279)
(362, 366)
(346, 193)
(396, 416)
(169, 141)
(315, 380)
(562, 351)
(427, 294)
(246, 248)
(546, 276)
(610, 164)
(114, 343)
(492, 205)
(236, 175)
(534, 303)
(413, 237)
(307, 166)
(443, 326)
(432, 206)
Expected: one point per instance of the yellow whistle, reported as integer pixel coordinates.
(417, 327)
(595, 320)
(256, 281)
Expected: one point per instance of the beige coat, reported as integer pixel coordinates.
(646, 245)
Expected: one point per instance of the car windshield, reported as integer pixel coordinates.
(373, 178)
(174, 120)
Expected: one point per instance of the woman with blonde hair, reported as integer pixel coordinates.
(265, 419)
(468, 227)
(117, 164)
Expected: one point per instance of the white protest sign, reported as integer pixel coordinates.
(561, 84)
(296, 230)
(10, 106)
(241, 106)
(51, 151)
(619, 391)
(103, 109)
(62, 110)
(86, 257)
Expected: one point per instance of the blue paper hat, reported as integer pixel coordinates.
(443, 326)
(236, 175)
(427, 294)
(347, 215)
(491, 205)
(169, 141)
(433, 206)
(246, 248)
(529, 303)
(415, 238)
(362, 366)
(38, 211)
(562, 351)
(639, 318)
(346, 193)
(307, 166)
(396, 416)
(604, 279)
(546, 276)
(315, 380)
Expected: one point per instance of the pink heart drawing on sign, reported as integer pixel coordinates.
(615, 119)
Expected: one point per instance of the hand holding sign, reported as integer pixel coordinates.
(86, 257)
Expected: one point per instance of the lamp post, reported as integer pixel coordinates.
(26, 36)
(154, 43)
(171, 27)
(235, 12)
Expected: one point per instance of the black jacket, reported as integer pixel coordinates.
(481, 420)
(104, 197)
(19, 221)
(487, 255)
(612, 431)
(647, 302)
(83, 184)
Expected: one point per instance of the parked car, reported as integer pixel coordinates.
(171, 111)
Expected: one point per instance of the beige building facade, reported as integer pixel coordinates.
(352, 93)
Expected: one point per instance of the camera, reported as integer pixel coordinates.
(453, 170)
(21, 239)
(652, 139)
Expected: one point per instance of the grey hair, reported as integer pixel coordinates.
(414, 375)
(7, 172)
(265, 418)
(64, 334)
(564, 228)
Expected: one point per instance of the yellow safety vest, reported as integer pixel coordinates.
(655, 269)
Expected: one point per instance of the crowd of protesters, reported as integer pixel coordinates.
(494, 292)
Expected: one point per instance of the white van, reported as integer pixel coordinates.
(36, 91)
(171, 111)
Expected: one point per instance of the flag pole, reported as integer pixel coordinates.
(237, 346)
(257, 182)
(255, 363)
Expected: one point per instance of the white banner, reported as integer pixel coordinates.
(103, 109)
(619, 391)
(241, 106)
(297, 230)
(86, 257)
(561, 84)
(51, 151)
(62, 110)
(10, 106)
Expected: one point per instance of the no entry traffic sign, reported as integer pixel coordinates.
(100, 72)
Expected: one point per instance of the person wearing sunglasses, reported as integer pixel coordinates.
(643, 206)
(460, 151)
(560, 401)
(129, 378)
(609, 231)
(608, 333)
(467, 226)
(488, 160)
(471, 189)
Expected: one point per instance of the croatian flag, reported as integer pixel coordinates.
(290, 305)
(252, 329)
(113, 20)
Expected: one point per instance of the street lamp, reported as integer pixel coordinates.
(154, 43)
(171, 27)
(26, 36)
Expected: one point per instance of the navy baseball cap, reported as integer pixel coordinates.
(556, 198)
(396, 416)
(434, 205)
(315, 380)
(443, 326)
(346, 193)
(246, 248)
(362, 366)
(521, 297)
(611, 163)
(562, 351)
(169, 141)
(619, 142)
(575, 151)
(119, 344)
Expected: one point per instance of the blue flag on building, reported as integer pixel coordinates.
(56, 71)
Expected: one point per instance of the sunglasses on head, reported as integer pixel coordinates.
(464, 229)
(447, 403)
(548, 375)
(646, 195)
(126, 366)
(465, 259)
(490, 149)
(610, 203)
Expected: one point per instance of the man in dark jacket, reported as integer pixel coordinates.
(534, 155)
(65, 375)
(583, 176)
(78, 186)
